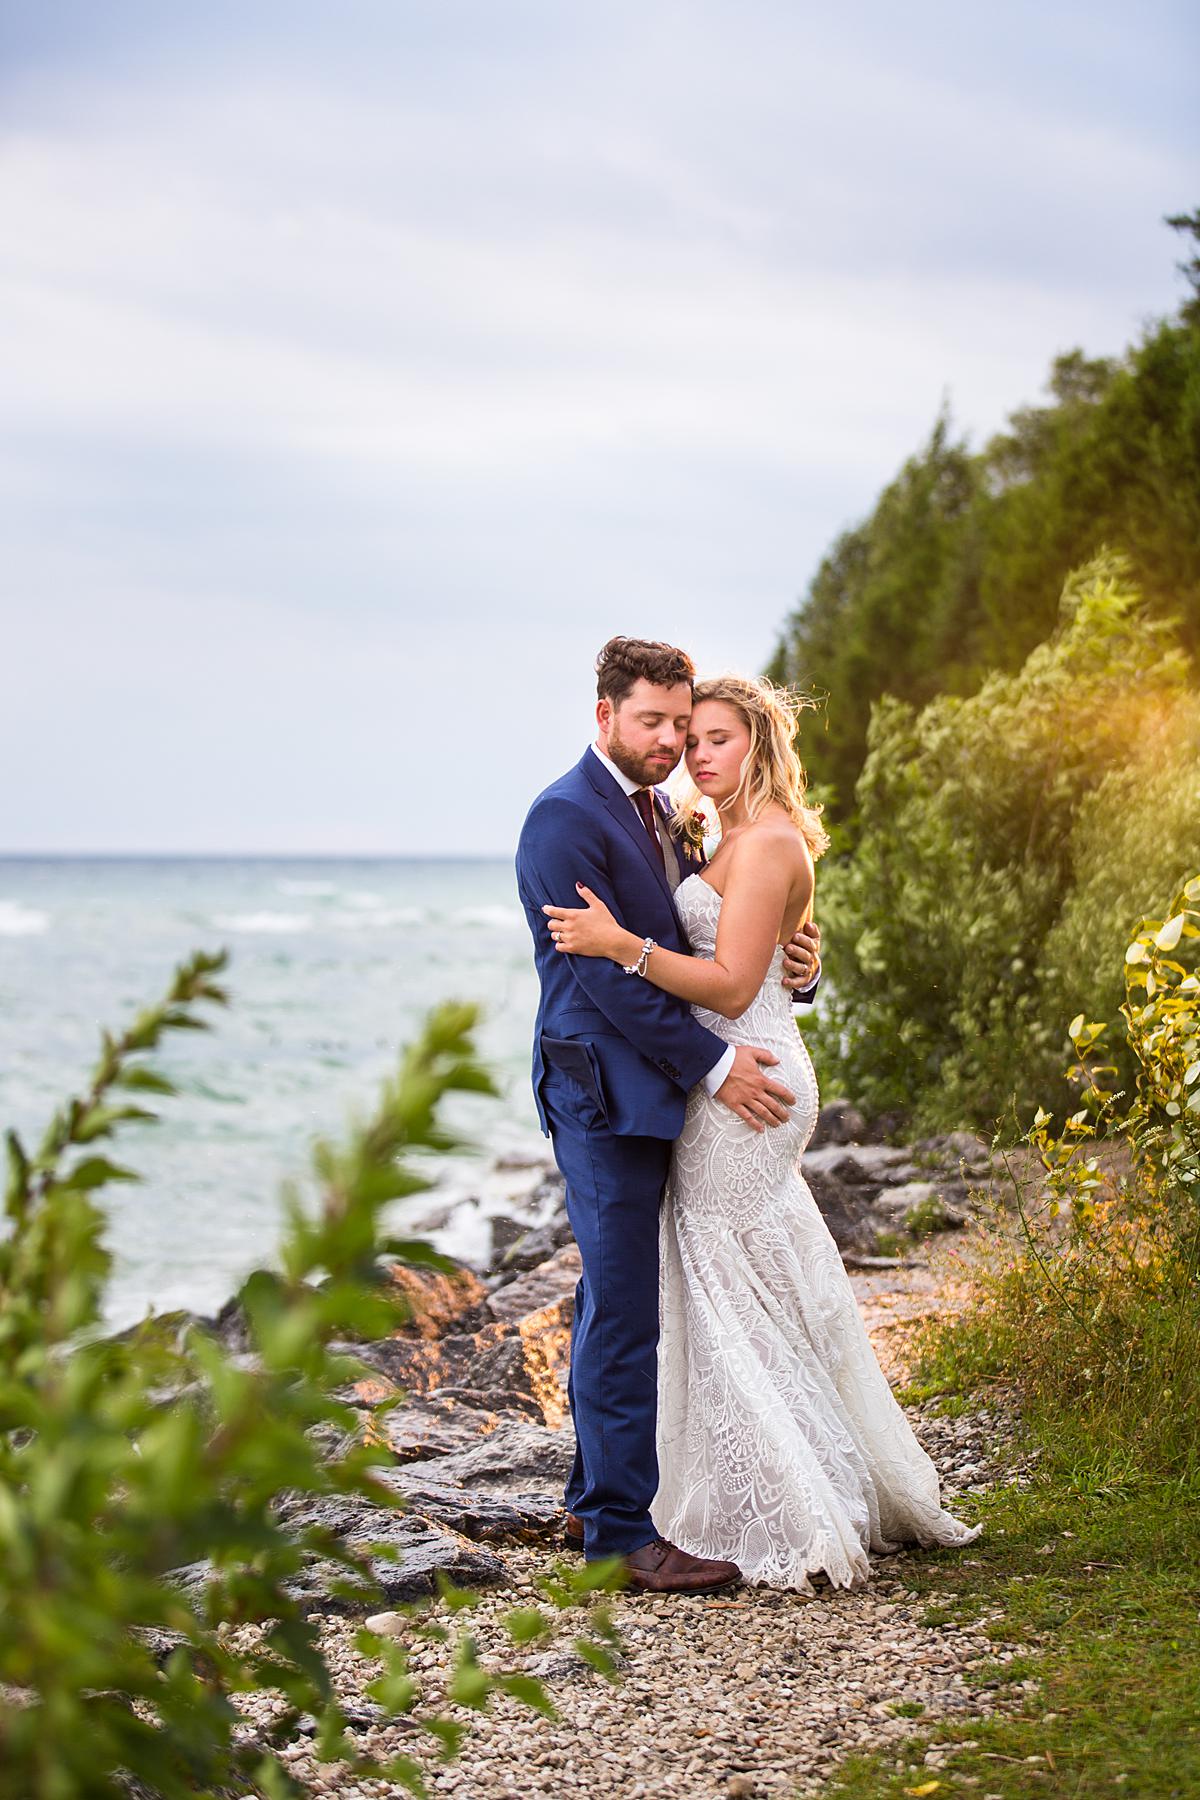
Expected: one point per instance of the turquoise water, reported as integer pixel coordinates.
(333, 964)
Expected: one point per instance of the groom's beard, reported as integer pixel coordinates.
(646, 770)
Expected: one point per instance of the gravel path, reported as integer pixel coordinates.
(757, 1694)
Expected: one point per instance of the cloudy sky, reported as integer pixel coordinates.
(364, 366)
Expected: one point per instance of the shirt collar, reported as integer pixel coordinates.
(627, 787)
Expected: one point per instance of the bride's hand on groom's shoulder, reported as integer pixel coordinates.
(588, 930)
(802, 957)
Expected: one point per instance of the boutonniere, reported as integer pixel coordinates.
(693, 831)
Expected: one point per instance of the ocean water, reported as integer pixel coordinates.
(333, 963)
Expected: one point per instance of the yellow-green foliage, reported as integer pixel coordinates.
(1007, 844)
(1098, 1311)
(955, 571)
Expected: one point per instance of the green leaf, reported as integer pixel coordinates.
(145, 1078)
(408, 1773)
(597, 1657)
(525, 1624)
(450, 1734)
(98, 1121)
(17, 1186)
(529, 1692)
(470, 1686)
(94, 1172)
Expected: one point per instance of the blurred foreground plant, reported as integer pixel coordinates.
(125, 1460)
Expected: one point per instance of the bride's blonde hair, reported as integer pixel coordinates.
(771, 769)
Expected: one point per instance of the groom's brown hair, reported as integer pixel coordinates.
(624, 661)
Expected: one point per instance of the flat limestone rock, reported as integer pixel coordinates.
(417, 1551)
(504, 1489)
(894, 1205)
(516, 1456)
(547, 1284)
(510, 1365)
(431, 1425)
(437, 1302)
(537, 1245)
(485, 1516)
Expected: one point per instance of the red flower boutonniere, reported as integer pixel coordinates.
(693, 832)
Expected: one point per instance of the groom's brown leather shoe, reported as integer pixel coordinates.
(573, 1533)
(663, 1568)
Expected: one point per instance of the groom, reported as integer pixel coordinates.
(613, 1060)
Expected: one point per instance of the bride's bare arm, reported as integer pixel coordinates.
(759, 880)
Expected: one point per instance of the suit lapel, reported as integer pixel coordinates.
(622, 809)
(689, 857)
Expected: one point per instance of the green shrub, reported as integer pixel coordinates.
(125, 1460)
(955, 572)
(1006, 844)
(1097, 1312)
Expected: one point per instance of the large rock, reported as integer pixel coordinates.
(437, 1302)
(549, 1284)
(504, 1489)
(957, 1150)
(415, 1552)
(427, 1425)
(508, 1366)
(533, 1246)
(517, 1455)
(865, 1166)
(839, 1122)
(486, 1517)
(920, 1206)
(845, 1211)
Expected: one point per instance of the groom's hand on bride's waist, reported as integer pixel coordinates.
(751, 1094)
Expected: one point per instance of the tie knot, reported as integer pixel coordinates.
(645, 806)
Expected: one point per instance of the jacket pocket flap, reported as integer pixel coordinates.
(573, 1057)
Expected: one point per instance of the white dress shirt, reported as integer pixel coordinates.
(720, 1069)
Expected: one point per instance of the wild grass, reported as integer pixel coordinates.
(1096, 1563)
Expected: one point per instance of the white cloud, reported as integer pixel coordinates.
(332, 367)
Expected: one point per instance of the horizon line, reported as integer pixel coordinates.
(256, 855)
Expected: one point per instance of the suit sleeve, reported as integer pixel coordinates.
(559, 848)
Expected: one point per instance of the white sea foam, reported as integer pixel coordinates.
(264, 921)
(365, 900)
(381, 917)
(493, 918)
(314, 888)
(21, 921)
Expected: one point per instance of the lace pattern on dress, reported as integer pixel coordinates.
(781, 1445)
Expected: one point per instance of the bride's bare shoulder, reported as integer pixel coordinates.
(776, 836)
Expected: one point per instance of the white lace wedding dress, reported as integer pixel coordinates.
(780, 1445)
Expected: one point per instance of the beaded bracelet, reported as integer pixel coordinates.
(639, 967)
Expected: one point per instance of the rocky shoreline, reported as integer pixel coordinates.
(759, 1693)
(470, 1393)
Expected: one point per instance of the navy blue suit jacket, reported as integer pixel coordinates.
(634, 1049)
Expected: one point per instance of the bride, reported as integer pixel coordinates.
(781, 1446)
